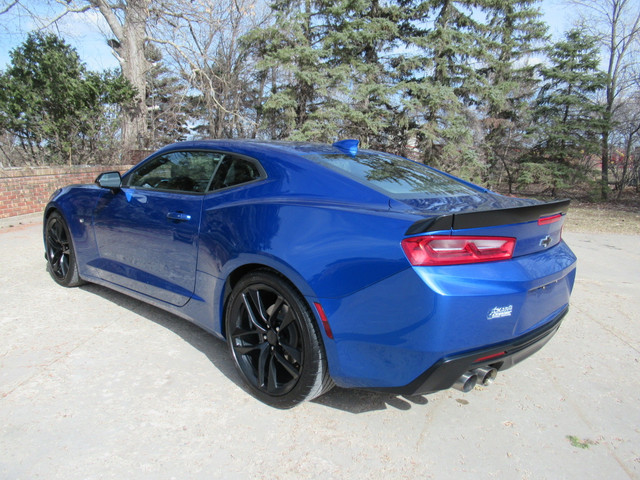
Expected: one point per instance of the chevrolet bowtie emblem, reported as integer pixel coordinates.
(546, 241)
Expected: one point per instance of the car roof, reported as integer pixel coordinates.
(248, 146)
(291, 164)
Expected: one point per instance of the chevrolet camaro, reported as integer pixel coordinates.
(323, 265)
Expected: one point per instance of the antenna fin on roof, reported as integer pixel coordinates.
(348, 146)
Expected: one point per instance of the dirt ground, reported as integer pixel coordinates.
(95, 385)
(607, 218)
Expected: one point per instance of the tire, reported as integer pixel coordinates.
(275, 342)
(61, 257)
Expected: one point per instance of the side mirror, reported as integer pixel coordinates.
(111, 180)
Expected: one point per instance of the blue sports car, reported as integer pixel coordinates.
(323, 264)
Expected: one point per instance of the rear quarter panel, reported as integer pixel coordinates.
(327, 250)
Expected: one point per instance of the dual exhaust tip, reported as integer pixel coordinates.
(479, 376)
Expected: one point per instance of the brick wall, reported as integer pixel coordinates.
(27, 190)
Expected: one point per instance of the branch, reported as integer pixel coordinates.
(110, 17)
(67, 11)
(177, 48)
(9, 7)
(206, 79)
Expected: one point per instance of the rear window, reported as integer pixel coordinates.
(395, 176)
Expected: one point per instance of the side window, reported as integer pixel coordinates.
(235, 171)
(180, 171)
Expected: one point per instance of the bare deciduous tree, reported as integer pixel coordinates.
(203, 40)
(128, 23)
(616, 23)
(627, 133)
(200, 37)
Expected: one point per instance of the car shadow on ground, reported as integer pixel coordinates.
(362, 401)
(348, 400)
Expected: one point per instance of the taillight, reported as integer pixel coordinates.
(440, 250)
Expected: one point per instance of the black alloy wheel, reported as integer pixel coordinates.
(61, 260)
(275, 341)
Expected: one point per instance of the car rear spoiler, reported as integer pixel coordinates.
(489, 218)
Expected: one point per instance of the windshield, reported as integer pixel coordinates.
(395, 176)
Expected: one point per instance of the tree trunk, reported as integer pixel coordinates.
(134, 68)
(129, 29)
(627, 159)
(604, 181)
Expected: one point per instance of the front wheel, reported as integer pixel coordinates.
(275, 342)
(61, 258)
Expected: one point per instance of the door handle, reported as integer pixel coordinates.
(178, 216)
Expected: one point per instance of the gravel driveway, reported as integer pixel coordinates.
(96, 385)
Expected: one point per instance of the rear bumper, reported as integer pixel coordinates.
(444, 373)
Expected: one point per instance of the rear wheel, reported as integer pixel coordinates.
(275, 342)
(61, 258)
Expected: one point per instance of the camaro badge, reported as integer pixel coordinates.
(500, 312)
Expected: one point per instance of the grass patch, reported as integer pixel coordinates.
(586, 216)
(576, 442)
(603, 218)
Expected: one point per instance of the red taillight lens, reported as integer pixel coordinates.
(440, 250)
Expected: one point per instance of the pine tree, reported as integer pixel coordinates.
(568, 119)
(358, 35)
(324, 72)
(54, 108)
(439, 81)
(515, 31)
(166, 103)
(292, 65)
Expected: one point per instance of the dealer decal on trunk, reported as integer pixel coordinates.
(500, 312)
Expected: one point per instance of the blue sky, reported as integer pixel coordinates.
(84, 32)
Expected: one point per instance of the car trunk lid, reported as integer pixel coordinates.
(535, 226)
